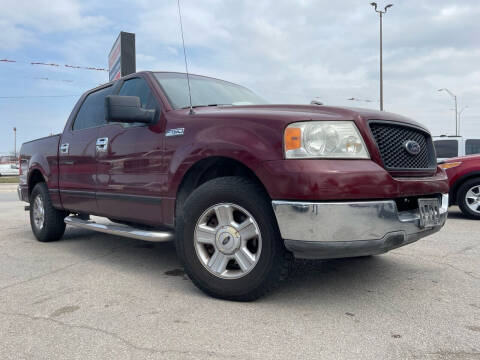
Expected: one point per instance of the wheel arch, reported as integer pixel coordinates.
(208, 169)
(456, 185)
(34, 178)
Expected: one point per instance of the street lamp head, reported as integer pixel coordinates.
(374, 4)
(388, 6)
(449, 93)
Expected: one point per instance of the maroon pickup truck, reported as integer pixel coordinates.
(240, 186)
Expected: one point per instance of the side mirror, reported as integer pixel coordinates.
(127, 109)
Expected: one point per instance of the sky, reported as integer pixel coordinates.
(286, 51)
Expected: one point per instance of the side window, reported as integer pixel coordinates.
(446, 148)
(472, 146)
(92, 111)
(138, 87)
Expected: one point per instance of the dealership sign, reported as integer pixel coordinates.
(121, 60)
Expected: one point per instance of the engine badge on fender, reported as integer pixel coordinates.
(175, 132)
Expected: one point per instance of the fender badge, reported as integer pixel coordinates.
(175, 132)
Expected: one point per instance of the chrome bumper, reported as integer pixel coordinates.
(344, 229)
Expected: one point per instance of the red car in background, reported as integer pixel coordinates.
(464, 179)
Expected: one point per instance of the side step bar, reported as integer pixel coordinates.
(120, 230)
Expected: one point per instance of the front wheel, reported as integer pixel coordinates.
(47, 222)
(229, 241)
(468, 198)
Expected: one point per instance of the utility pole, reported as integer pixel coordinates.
(456, 109)
(380, 13)
(15, 142)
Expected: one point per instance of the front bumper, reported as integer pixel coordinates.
(324, 230)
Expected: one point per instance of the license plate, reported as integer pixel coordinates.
(429, 212)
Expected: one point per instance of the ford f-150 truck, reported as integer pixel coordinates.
(241, 186)
(464, 178)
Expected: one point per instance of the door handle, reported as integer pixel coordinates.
(102, 144)
(64, 148)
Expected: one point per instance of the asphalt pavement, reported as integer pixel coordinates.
(97, 296)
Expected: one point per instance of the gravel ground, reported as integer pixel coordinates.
(93, 296)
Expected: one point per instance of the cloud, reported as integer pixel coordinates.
(22, 20)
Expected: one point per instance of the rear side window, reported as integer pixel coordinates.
(472, 146)
(138, 87)
(446, 148)
(92, 111)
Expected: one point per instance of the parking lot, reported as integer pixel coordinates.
(94, 296)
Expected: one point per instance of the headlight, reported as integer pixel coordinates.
(324, 139)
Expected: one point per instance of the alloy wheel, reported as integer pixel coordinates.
(472, 199)
(38, 212)
(227, 240)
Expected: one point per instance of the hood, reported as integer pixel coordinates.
(293, 113)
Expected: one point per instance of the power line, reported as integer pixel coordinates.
(7, 61)
(49, 79)
(35, 96)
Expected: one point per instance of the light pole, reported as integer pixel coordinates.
(456, 108)
(459, 114)
(380, 13)
(15, 142)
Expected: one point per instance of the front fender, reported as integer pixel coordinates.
(247, 146)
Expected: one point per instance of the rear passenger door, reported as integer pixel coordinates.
(130, 167)
(77, 154)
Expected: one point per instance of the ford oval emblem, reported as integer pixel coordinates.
(412, 147)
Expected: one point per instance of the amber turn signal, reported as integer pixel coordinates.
(293, 138)
(446, 166)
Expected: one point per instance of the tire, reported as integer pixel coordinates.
(465, 204)
(250, 205)
(53, 226)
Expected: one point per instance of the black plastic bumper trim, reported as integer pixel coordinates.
(345, 249)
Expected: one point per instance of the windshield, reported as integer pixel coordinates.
(205, 91)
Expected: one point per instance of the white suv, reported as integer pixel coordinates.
(453, 146)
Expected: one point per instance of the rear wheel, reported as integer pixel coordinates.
(468, 198)
(229, 240)
(46, 221)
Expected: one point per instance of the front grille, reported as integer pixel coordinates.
(391, 139)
